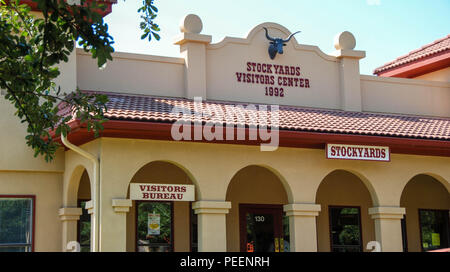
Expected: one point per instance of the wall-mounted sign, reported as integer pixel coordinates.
(274, 78)
(358, 152)
(162, 192)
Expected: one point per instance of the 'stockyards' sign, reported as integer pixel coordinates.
(358, 152)
(162, 192)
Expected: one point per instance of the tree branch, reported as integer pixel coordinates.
(18, 101)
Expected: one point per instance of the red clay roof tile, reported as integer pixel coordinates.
(436, 47)
(159, 109)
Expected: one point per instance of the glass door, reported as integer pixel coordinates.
(261, 228)
(154, 226)
(345, 229)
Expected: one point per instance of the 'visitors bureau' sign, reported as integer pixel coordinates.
(358, 152)
(162, 192)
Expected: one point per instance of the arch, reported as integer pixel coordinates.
(368, 185)
(188, 173)
(255, 186)
(275, 172)
(76, 177)
(436, 182)
(165, 172)
(252, 33)
(436, 177)
(343, 190)
(72, 185)
(422, 192)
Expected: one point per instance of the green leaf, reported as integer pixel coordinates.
(157, 37)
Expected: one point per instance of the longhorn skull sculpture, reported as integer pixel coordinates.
(276, 44)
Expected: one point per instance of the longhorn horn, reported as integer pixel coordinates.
(267, 35)
(290, 36)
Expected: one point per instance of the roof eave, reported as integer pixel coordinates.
(287, 138)
(418, 67)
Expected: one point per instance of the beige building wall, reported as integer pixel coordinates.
(251, 185)
(132, 73)
(439, 75)
(15, 154)
(23, 174)
(421, 192)
(406, 96)
(230, 56)
(341, 188)
(333, 77)
(163, 173)
(293, 175)
(47, 188)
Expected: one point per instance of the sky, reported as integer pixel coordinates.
(385, 29)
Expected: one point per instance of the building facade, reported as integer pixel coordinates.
(430, 62)
(228, 149)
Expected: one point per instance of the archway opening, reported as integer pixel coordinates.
(84, 223)
(344, 225)
(256, 221)
(426, 223)
(163, 225)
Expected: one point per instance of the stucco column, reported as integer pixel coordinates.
(121, 207)
(388, 230)
(349, 71)
(193, 49)
(212, 225)
(69, 218)
(302, 226)
(89, 206)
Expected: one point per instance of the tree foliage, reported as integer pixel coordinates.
(30, 50)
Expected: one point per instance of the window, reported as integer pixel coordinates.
(16, 223)
(154, 230)
(434, 229)
(84, 228)
(345, 229)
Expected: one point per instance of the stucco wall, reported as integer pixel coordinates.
(292, 174)
(440, 75)
(230, 56)
(422, 192)
(299, 171)
(251, 185)
(333, 79)
(15, 154)
(132, 73)
(163, 172)
(47, 188)
(23, 174)
(341, 188)
(407, 96)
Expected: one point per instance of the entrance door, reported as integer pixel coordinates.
(261, 228)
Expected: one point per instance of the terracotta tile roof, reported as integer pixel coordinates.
(159, 109)
(436, 47)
